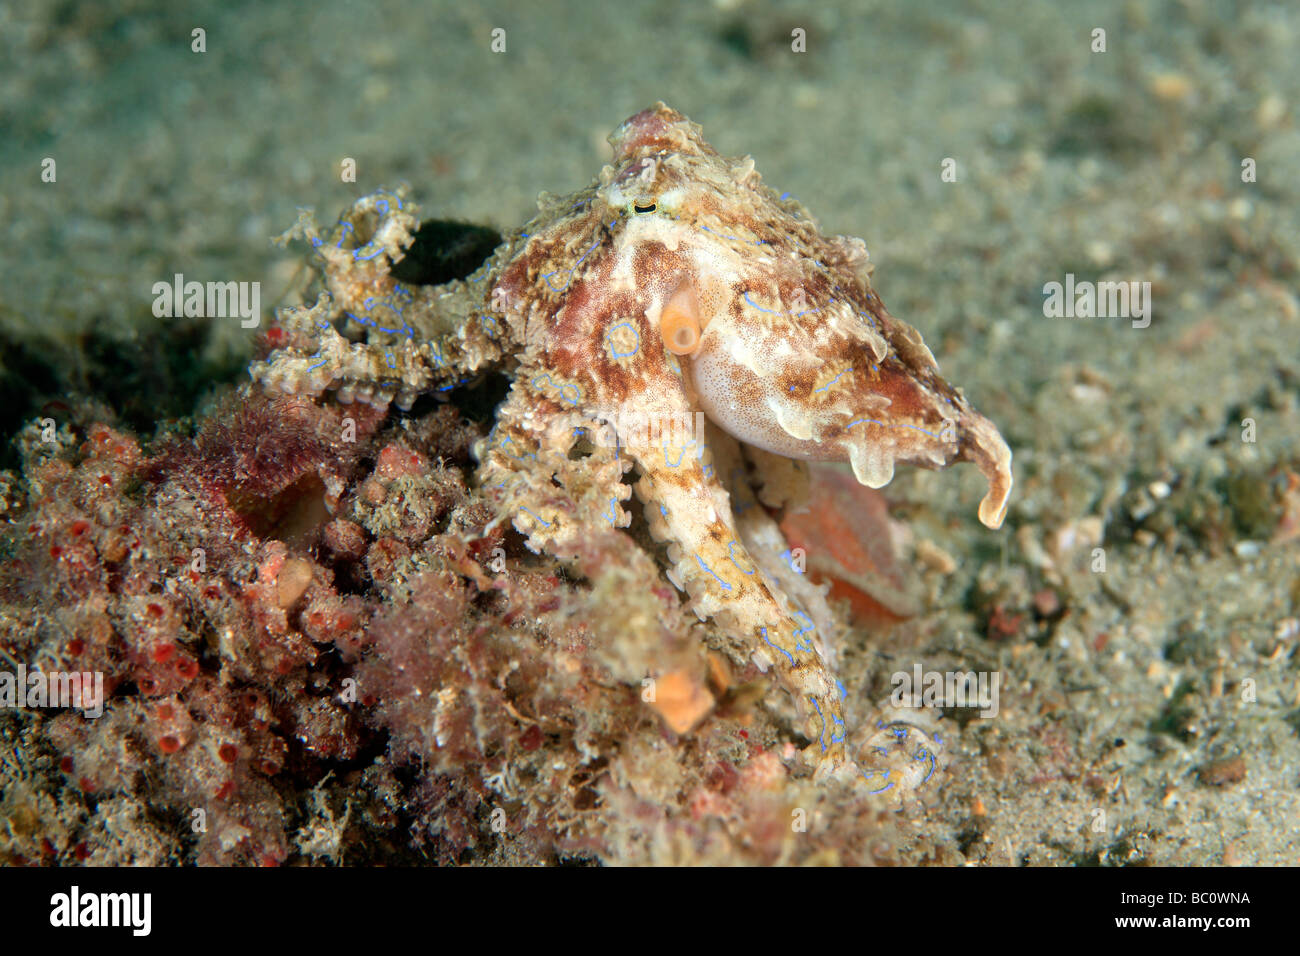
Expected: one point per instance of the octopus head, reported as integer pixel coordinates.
(781, 340)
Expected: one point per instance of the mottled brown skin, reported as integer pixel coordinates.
(796, 355)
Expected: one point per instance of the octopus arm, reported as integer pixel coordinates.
(689, 508)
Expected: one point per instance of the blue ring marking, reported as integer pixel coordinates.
(316, 242)
(872, 421)
(613, 352)
(663, 511)
(725, 585)
(613, 511)
(785, 195)
(822, 737)
(537, 516)
(672, 464)
(763, 632)
(732, 555)
(561, 389)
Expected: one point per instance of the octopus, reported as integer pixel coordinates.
(677, 329)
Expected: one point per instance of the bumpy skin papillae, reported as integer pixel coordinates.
(416, 338)
(794, 355)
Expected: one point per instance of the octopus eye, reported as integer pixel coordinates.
(643, 206)
(680, 323)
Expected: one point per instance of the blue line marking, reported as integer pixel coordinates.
(753, 304)
(537, 516)
(731, 553)
(822, 737)
(921, 755)
(763, 632)
(869, 775)
(828, 384)
(725, 585)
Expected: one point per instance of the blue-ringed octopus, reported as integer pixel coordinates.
(676, 323)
